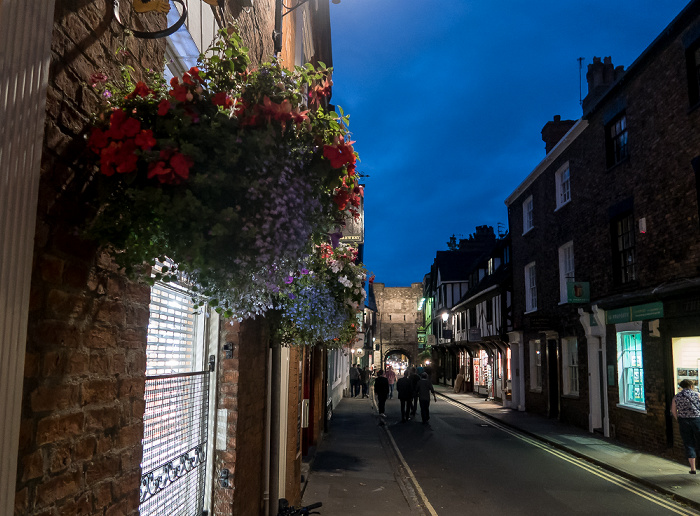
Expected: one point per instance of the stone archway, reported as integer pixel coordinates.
(400, 351)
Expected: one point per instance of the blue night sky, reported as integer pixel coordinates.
(447, 100)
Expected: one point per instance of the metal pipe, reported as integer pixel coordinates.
(277, 33)
(275, 428)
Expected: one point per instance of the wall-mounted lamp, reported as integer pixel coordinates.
(445, 315)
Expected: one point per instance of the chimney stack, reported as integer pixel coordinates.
(600, 76)
(554, 131)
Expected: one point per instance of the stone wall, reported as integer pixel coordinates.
(398, 318)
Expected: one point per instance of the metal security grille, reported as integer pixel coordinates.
(171, 332)
(174, 444)
(173, 468)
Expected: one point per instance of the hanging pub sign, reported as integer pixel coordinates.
(354, 230)
(578, 292)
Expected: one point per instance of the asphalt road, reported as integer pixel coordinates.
(463, 464)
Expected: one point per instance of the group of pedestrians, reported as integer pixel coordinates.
(413, 390)
(359, 381)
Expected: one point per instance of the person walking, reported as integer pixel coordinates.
(685, 408)
(391, 378)
(414, 377)
(405, 394)
(425, 387)
(364, 378)
(354, 381)
(381, 390)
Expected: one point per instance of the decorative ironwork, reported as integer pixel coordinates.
(143, 6)
(174, 444)
(157, 480)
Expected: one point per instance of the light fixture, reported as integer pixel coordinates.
(445, 315)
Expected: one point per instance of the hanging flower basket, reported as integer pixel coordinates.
(321, 302)
(228, 172)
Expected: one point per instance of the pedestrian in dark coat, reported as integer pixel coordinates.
(381, 389)
(354, 381)
(425, 388)
(414, 377)
(364, 379)
(405, 392)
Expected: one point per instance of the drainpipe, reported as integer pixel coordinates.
(266, 458)
(277, 33)
(275, 385)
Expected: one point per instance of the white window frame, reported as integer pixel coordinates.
(569, 368)
(535, 365)
(530, 288)
(528, 214)
(562, 179)
(566, 270)
(630, 364)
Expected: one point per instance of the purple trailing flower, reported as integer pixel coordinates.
(304, 271)
(335, 238)
(289, 280)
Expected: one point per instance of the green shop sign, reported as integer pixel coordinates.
(635, 313)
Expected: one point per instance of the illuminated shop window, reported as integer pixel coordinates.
(630, 369)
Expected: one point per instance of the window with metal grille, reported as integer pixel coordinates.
(177, 401)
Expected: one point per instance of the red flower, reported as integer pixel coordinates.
(131, 127)
(160, 171)
(192, 74)
(145, 139)
(178, 170)
(181, 165)
(98, 140)
(179, 91)
(163, 107)
(98, 78)
(116, 122)
(222, 99)
(341, 198)
(340, 154)
(141, 90)
(125, 158)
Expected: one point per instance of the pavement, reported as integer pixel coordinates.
(356, 471)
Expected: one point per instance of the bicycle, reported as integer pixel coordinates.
(289, 510)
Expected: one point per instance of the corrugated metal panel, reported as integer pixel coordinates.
(25, 41)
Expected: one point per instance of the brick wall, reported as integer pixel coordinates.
(82, 408)
(242, 388)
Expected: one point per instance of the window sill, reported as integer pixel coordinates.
(571, 396)
(632, 408)
(536, 390)
(559, 207)
(621, 162)
(528, 230)
(530, 311)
